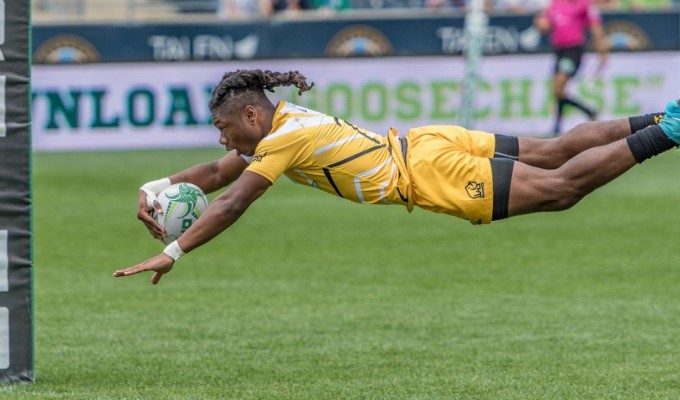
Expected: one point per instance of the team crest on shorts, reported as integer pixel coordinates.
(475, 190)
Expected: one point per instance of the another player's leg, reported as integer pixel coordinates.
(568, 101)
(560, 80)
(536, 189)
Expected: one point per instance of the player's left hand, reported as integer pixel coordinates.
(146, 203)
(161, 265)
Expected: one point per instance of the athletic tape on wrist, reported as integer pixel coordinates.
(153, 188)
(174, 251)
(157, 186)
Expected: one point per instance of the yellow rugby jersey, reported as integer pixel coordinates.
(330, 154)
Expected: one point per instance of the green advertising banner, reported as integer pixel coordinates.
(16, 316)
(165, 105)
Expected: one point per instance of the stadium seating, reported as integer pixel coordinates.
(46, 11)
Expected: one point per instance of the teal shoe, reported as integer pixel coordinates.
(670, 123)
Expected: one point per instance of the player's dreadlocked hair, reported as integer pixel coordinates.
(244, 87)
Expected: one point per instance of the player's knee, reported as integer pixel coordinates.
(567, 146)
(560, 151)
(566, 202)
(567, 194)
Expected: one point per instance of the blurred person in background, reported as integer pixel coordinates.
(382, 4)
(332, 5)
(520, 6)
(242, 9)
(457, 4)
(288, 6)
(568, 23)
(446, 4)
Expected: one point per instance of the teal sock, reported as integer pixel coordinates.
(670, 123)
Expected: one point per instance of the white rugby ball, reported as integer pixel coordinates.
(182, 204)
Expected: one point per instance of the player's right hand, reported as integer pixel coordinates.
(145, 206)
(160, 265)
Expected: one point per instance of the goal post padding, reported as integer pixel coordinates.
(16, 309)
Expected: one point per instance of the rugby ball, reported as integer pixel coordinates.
(182, 204)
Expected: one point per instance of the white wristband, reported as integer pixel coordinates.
(174, 251)
(157, 186)
(153, 188)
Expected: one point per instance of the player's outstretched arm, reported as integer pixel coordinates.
(220, 215)
(224, 210)
(209, 177)
(215, 175)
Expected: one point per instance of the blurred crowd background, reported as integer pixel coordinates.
(258, 9)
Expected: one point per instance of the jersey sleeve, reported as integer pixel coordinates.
(278, 153)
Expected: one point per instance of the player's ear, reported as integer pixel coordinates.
(250, 114)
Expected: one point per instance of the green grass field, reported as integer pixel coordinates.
(309, 296)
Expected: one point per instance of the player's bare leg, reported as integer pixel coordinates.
(552, 153)
(535, 189)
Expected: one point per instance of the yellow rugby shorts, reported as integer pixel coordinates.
(450, 170)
